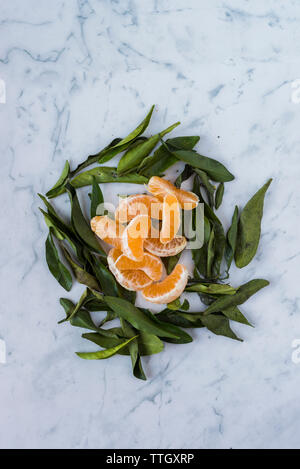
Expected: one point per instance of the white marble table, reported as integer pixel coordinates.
(79, 72)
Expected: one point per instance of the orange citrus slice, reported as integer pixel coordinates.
(161, 187)
(151, 265)
(139, 204)
(156, 247)
(133, 237)
(132, 280)
(108, 230)
(169, 289)
(170, 219)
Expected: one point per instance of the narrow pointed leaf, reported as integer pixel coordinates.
(56, 267)
(249, 227)
(102, 354)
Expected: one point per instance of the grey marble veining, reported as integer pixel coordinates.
(79, 73)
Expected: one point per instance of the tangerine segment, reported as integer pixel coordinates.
(132, 280)
(151, 265)
(156, 247)
(169, 289)
(133, 237)
(171, 218)
(161, 187)
(107, 230)
(139, 204)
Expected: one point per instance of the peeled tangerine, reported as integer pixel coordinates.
(171, 218)
(156, 247)
(108, 230)
(151, 265)
(133, 237)
(139, 204)
(132, 280)
(169, 289)
(161, 187)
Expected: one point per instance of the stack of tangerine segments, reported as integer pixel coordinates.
(135, 259)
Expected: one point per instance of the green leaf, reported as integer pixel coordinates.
(81, 274)
(183, 143)
(181, 336)
(177, 319)
(249, 227)
(103, 174)
(213, 168)
(81, 319)
(157, 164)
(56, 189)
(134, 156)
(102, 354)
(243, 293)
(94, 158)
(186, 174)
(56, 267)
(171, 262)
(210, 253)
(77, 308)
(212, 288)
(219, 326)
(219, 195)
(136, 361)
(80, 225)
(107, 281)
(231, 238)
(96, 198)
(139, 130)
(235, 315)
(137, 317)
(206, 184)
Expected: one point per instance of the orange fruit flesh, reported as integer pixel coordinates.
(171, 218)
(139, 204)
(160, 187)
(133, 280)
(156, 247)
(169, 289)
(133, 237)
(151, 265)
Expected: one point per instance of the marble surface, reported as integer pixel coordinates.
(78, 73)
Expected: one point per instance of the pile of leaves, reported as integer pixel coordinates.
(72, 242)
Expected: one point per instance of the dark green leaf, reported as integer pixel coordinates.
(182, 336)
(235, 315)
(56, 267)
(56, 189)
(81, 319)
(183, 143)
(213, 168)
(219, 195)
(134, 156)
(249, 227)
(219, 326)
(170, 262)
(80, 225)
(96, 198)
(137, 317)
(206, 184)
(186, 174)
(210, 253)
(243, 293)
(103, 174)
(81, 274)
(231, 238)
(107, 281)
(77, 307)
(108, 151)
